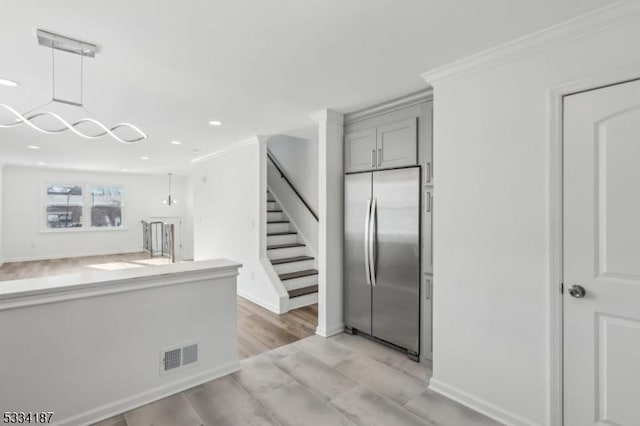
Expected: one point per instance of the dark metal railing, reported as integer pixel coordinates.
(284, 176)
(159, 238)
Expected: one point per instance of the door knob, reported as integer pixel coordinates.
(577, 291)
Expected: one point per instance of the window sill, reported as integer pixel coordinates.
(81, 230)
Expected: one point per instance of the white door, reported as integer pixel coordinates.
(602, 255)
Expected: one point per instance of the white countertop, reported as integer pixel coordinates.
(86, 284)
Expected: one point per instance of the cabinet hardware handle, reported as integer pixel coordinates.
(429, 172)
(428, 289)
(379, 157)
(427, 202)
(373, 157)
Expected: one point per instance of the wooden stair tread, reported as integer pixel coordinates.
(278, 221)
(298, 274)
(279, 246)
(290, 260)
(274, 211)
(273, 234)
(303, 291)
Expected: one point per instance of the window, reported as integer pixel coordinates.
(64, 206)
(106, 206)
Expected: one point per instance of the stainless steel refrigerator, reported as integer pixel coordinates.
(382, 256)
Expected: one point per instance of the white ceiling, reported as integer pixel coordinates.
(259, 66)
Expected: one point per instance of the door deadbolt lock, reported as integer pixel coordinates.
(577, 291)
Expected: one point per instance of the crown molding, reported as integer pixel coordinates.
(232, 147)
(592, 22)
(389, 106)
(329, 116)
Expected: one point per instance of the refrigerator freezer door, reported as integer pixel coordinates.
(357, 201)
(396, 264)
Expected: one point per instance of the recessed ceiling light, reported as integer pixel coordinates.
(144, 158)
(176, 142)
(42, 164)
(33, 147)
(125, 170)
(215, 123)
(195, 150)
(8, 83)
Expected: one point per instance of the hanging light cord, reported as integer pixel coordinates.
(53, 73)
(82, 75)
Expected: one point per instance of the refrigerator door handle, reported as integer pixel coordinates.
(367, 269)
(373, 237)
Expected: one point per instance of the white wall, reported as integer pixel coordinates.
(1, 249)
(24, 236)
(297, 153)
(229, 209)
(187, 238)
(92, 349)
(491, 223)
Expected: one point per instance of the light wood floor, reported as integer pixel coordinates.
(259, 330)
(72, 265)
(342, 380)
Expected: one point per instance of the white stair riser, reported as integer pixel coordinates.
(281, 239)
(272, 205)
(270, 197)
(299, 302)
(277, 227)
(286, 252)
(300, 282)
(274, 216)
(285, 268)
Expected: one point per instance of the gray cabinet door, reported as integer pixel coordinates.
(425, 138)
(397, 144)
(360, 150)
(427, 230)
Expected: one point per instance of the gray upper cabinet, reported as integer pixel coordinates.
(386, 146)
(397, 144)
(360, 150)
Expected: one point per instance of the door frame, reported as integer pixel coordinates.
(556, 97)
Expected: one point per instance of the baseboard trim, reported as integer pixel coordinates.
(124, 405)
(251, 298)
(328, 332)
(66, 256)
(479, 404)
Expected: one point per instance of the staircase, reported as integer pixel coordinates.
(290, 257)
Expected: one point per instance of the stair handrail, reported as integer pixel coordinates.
(284, 176)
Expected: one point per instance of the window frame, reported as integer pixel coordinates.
(89, 205)
(86, 208)
(45, 205)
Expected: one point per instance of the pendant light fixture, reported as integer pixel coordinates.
(32, 117)
(170, 200)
